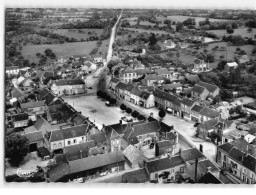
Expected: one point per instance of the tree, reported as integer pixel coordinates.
(249, 30)
(16, 148)
(123, 107)
(135, 114)
(179, 26)
(128, 110)
(230, 30)
(112, 101)
(161, 114)
(141, 117)
(152, 39)
(99, 94)
(48, 52)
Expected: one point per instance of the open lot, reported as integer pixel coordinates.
(79, 33)
(240, 31)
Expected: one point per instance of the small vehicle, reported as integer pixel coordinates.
(108, 104)
(89, 87)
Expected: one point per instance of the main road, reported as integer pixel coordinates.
(103, 73)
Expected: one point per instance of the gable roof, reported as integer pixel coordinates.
(58, 172)
(164, 143)
(17, 93)
(133, 154)
(62, 82)
(196, 108)
(208, 112)
(209, 87)
(136, 91)
(34, 136)
(121, 85)
(164, 163)
(198, 89)
(192, 78)
(94, 151)
(208, 125)
(209, 178)
(32, 104)
(187, 102)
(97, 161)
(144, 95)
(75, 131)
(114, 80)
(191, 154)
(98, 138)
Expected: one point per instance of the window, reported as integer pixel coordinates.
(225, 158)
(54, 146)
(69, 142)
(140, 137)
(244, 170)
(182, 169)
(82, 138)
(226, 140)
(60, 145)
(74, 141)
(219, 154)
(172, 170)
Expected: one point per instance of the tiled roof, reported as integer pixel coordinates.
(48, 74)
(191, 154)
(162, 71)
(144, 95)
(133, 154)
(187, 102)
(43, 92)
(62, 82)
(204, 164)
(135, 176)
(208, 125)
(114, 80)
(196, 108)
(209, 87)
(164, 163)
(58, 172)
(114, 135)
(192, 78)
(56, 135)
(94, 151)
(128, 70)
(208, 112)
(34, 136)
(17, 93)
(154, 77)
(97, 161)
(76, 131)
(142, 71)
(164, 143)
(98, 138)
(226, 147)
(172, 86)
(198, 89)
(129, 87)
(121, 85)
(250, 163)
(136, 91)
(32, 104)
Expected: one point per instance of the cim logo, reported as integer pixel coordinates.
(25, 173)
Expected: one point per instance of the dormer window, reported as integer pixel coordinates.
(140, 137)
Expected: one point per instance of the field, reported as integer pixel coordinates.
(66, 49)
(149, 31)
(79, 34)
(179, 18)
(240, 31)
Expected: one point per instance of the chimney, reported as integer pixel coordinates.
(209, 169)
(81, 154)
(120, 122)
(242, 136)
(201, 148)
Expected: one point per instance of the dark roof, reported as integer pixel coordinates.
(56, 135)
(121, 85)
(135, 176)
(191, 154)
(114, 80)
(66, 111)
(34, 136)
(114, 135)
(164, 163)
(203, 166)
(43, 152)
(136, 91)
(209, 87)
(32, 104)
(250, 163)
(198, 89)
(20, 117)
(129, 87)
(62, 82)
(94, 151)
(196, 108)
(98, 138)
(42, 93)
(209, 113)
(209, 178)
(226, 147)
(58, 172)
(49, 98)
(187, 102)
(144, 95)
(192, 78)
(142, 71)
(97, 161)
(48, 74)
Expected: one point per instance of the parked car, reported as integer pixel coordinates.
(196, 124)
(108, 104)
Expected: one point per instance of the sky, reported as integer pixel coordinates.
(161, 4)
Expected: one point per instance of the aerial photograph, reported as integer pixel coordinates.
(129, 95)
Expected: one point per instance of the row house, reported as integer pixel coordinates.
(153, 80)
(129, 73)
(56, 140)
(186, 106)
(208, 114)
(112, 84)
(238, 158)
(203, 90)
(165, 169)
(120, 89)
(195, 113)
(68, 87)
(20, 120)
(164, 72)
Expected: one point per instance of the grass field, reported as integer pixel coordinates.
(240, 31)
(179, 18)
(83, 34)
(149, 31)
(67, 49)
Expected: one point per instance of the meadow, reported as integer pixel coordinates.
(240, 31)
(79, 33)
